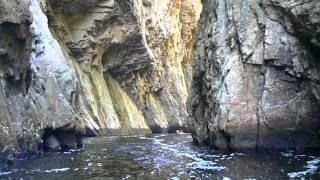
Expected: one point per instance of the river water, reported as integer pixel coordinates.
(162, 156)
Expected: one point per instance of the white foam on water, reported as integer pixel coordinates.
(162, 135)
(36, 170)
(301, 155)
(99, 164)
(131, 136)
(162, 161)
(212, 156)
(74, 150)
(206, 165)
(174, 178)
(5, 173)
(56, 170)
(286, 154)
(142, 137)
(140, 158)
(199, 163)
(312, 167)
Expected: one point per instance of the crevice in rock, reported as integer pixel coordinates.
(227, 138)
(62, 139)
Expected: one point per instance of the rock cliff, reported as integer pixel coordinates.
(145, 50)
(256, 75)
(70, 68)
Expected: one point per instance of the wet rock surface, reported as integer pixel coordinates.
(256, 75)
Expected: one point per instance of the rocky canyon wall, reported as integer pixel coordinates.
(256, 75)
(73, 67)
(132, 59)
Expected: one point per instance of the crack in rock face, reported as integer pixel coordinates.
(256, 75)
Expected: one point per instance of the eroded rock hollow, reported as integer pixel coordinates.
(256, 75)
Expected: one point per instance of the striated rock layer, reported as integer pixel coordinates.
(256, 78)
(70, 68)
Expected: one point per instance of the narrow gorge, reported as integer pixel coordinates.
(239, 75)
(93, 67)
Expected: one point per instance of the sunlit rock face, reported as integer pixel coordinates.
(256, 75)
(73, 67)
(171, 27)
(97, 36)
(132, 59)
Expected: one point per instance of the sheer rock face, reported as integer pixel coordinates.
(256, 75)
(132, 59)
(15, 47)
(70, 67)
(37, 87)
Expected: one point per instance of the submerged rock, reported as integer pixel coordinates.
(256, 75)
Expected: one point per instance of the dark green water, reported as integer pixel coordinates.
(164, 156)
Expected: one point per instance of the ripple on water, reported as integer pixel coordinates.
(56, 170)
(311, 168)
(5, 173)
(164, 156)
